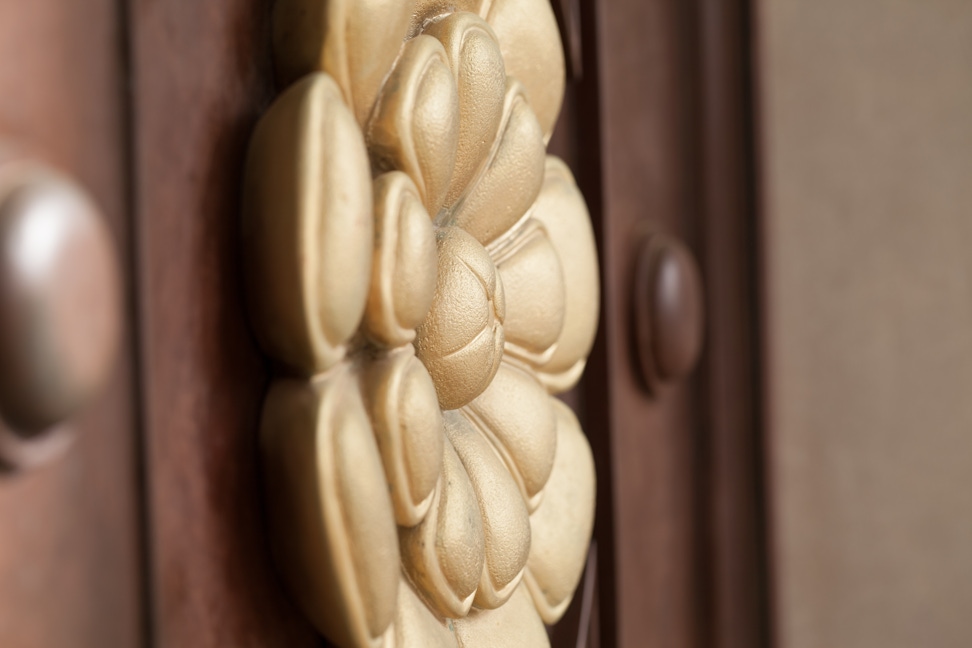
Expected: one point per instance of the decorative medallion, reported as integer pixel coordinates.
(425, 277)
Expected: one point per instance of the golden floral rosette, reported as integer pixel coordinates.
(425, 278)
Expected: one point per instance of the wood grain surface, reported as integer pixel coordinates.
(731, 473)
(636, 179)
(202, 77)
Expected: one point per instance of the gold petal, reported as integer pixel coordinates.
(480, 76)
(355, 41)
(425, 11)
(408, 426)
(516, 415)
(404, 267)
(530, 41)
(561, 527)
(511, 178)
(506, 524)
(534, 283)
(560, 207)
(444, 555)
(415, 128)
(331, 520)
(515, 625)
(417, 627)
(461, 339)
(307, 227)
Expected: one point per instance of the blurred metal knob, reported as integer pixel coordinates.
(60, 308)
(668, 311)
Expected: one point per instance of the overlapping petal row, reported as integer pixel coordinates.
(426, 278)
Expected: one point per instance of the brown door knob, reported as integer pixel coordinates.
(60, 308)
(668, 311)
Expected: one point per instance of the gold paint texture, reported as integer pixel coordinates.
(426, 279)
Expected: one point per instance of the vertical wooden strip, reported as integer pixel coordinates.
(635, 71)
(69, 542)
(202, 75)
(732, 465)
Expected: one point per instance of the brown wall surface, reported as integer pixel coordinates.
(866, 130)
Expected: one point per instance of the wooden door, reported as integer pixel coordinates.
(203, 76)
(655, 128)
(163, 99)
(661, 120)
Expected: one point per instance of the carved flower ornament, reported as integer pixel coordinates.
(426, 278)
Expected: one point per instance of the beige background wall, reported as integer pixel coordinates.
(866, 129)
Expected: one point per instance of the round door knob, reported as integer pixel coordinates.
(668, 311)
(60, 308)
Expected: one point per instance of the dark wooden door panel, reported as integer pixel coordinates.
(69, 553)
(663, 145)
(203, 76)
(734, 548)
(151, 105)
(646, 525)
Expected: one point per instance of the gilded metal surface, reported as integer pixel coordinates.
(426, 278)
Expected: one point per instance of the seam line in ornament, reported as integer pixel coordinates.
(446, 216)
(498, 448)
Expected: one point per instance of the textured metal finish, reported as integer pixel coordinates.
(427, 279)
(60, 308)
